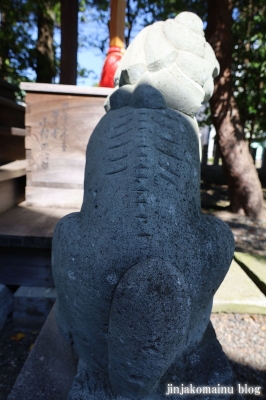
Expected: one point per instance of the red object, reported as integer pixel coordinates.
(113, 57)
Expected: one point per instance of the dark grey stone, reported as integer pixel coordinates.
(136, 269)
(140, 233)
(6, 304)
(50, 368)
(32, 306)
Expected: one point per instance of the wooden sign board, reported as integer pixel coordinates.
(59, 122)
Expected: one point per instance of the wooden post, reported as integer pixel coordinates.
(115, 52)
(117, 23)
(69, 41)
(59, 120)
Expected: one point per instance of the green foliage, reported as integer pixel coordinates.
(163, 9)
(18, 48)
(16, 41)
(249, 55)
(18, 37)
(94, 14)
(19, 56)
(139, 13)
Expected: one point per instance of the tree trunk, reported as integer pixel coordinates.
(244, 186)
(45, 69)
(4, 48)
(69, 41)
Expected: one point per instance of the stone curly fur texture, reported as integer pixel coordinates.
(174, 57)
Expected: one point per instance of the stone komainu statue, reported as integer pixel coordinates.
(136, 269)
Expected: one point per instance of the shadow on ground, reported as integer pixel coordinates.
(246, 375)
(250, 235)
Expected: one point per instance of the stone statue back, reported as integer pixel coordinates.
(136, 269)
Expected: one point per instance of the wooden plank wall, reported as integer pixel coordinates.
(12, 148)
(12, 192)
(58, 129)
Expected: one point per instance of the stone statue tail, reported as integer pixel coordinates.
(148, 326)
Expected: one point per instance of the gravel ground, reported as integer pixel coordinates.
(243, 339)
(242, 336)
(14, 350)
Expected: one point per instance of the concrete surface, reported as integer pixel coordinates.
(239, 294)
(256, 264)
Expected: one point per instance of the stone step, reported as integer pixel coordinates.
(50, 368)
(32, 306)
(239, 294)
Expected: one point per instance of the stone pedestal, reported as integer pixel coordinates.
(50, 368)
